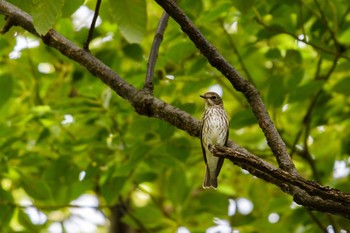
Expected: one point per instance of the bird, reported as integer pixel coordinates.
(214, 131)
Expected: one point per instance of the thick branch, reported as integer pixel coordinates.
(16, 17)
(308, 193)
(238, 82)
(143, 103)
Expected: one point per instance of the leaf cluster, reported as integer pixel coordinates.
(63, 133)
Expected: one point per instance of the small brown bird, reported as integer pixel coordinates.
(214, 131)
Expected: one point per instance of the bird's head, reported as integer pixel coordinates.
(211, 99)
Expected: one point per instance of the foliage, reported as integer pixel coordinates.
(64, 134)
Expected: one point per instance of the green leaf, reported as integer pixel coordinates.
(192, 8)
(267, 34)
(176, 186)
(215, 201)
(179, 148)
(273, 54)
(45, 133)
(45, 14)
(244, 6)
(25, 221)
(276, 93)
(64, 173)
(111, 185)
(342, 86)
(7, 210)
(188, 107)
(41, 110)
(344, 38)
(70, 7)
(293, 58)
(243, 118)
(134, 51)
(36, 188)
(6, 82)
(219, 9)
(197, 66)
(111, 188)
(24, 5)
(146, 177)
(165, 129)
(131, 17)
(283, 16)
(295, 78)
(181, 51)
(151, 217)
(305, 91)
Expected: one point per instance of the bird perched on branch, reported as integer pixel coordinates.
(214, 131)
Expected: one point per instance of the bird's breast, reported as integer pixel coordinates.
(215, 126)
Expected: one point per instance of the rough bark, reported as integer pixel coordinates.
(273, 138)
(307, 193)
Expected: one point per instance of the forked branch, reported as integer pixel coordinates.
(307, 193)
(274, 139)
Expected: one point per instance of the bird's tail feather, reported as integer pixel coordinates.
(210, 181)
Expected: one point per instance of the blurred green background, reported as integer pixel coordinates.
(75, 157)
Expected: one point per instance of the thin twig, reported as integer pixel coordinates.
(296, 140)
(51, 207)
(125, 209)
(304, 40)
(307, 123)
(157, 203)
(318, 223)
(343, 18)
(323, 18)
(308, 116)
(240, 59)
(8, 25)
(93, 24)
(152, 59)
(302, 17)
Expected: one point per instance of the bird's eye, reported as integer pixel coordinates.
(213, 97)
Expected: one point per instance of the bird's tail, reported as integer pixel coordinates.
(210, 181)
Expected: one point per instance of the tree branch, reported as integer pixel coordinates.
(304, 192)
(274, 140)
(158, 38)
(144, 104)
(339, 47)
(307, 193)
(92, 27)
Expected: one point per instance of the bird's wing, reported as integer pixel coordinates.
(203, 149)
(221, 160)
(219, 165)
(226, 140)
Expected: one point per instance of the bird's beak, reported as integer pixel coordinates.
(202, 96)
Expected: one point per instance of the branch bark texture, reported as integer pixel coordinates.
(304, 192)
(307, 193)
(274, 140)
(151, 64)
